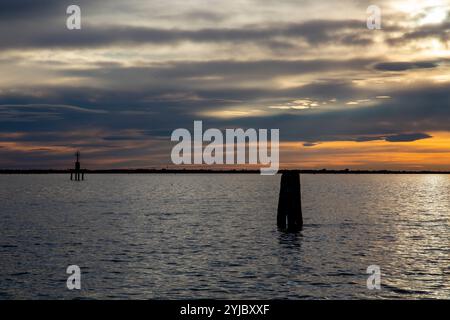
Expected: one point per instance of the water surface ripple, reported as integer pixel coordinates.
(215, 236)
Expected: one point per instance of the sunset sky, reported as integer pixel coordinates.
(343, 96)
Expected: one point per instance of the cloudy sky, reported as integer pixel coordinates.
(343, 96)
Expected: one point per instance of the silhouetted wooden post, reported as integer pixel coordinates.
(289, 216)
(71, 176)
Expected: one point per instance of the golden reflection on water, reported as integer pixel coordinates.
(417, 256)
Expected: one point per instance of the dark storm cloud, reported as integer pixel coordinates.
(42, 117)
(16, 9)
(404, 66)
(34, 17)
(177, 97)
(369, 138)
(49, 107)
(188, 74)
(408, 137)
(392, 120)
(203, 15)
(40, 112)
(310, 144)
(54, 34)
(123, 138)
(357, 39)
(46, 28)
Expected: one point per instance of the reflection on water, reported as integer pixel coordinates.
(290, 240)
(421, 230)
(215, 236)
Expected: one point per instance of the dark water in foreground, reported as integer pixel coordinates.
(214, 236)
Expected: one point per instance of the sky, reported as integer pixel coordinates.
(343, 96)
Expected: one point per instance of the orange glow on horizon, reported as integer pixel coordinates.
(426, 154)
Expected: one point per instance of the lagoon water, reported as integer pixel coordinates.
(200, 236)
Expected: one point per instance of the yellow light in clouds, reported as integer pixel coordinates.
(434, 16)
(226, 114)
(425, 11)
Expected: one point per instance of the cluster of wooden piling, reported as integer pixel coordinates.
(290, 216)
(78, 174)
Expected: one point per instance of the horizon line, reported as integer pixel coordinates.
(212, 171)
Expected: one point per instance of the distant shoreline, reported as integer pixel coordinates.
(204, 171)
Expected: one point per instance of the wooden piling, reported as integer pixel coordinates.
(290, 216)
